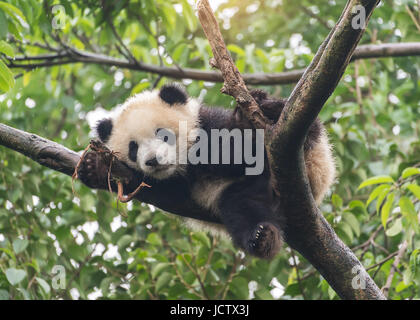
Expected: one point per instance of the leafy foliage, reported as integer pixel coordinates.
(137, 251)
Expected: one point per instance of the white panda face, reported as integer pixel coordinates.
(155, 156)
(145, 134)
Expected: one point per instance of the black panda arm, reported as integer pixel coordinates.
(171, 195)
(93, 172)
(272, 108)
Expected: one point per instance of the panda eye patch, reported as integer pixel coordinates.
(133, 147)
(166, 135)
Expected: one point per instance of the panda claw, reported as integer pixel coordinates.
(266, 240)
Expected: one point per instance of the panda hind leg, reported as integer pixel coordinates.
(252, 226)
(265, 240)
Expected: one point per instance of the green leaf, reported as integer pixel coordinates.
(189, 16)
(236, 49)
(401, 286)
(375, 180)
(415, 261)
(347, 230)
(3, 25)
(9, 253)
(4, 295)
(153, 238)
(376, 192)
(202, 237)
(125, 240)
(13, 29)
(358, 207)
(331, 293)
(6, 48)
(14, 12)
(408, 210)
(336, 201)
(239, 286)
(395, 229)
(140, 87)
(6, 77)
(43, 284)
(263, 294)
(15, 276)
(158, 268)
(24, 293)
(381, 198)
(19, 245)
(353, 222)
(415, 189)
(408, 172)
(163, 281)
(386, 209)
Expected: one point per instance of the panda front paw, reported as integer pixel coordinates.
(93, 172)
(265, 241)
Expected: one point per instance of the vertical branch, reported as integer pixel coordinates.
(323, 74)
(394, 267)
(234, 85)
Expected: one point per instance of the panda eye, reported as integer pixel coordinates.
(165, 135)
(133, 147)
(161, 133)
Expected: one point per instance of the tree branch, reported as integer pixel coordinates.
(307, 230)
(61, 57)
(57, 157)
(233, 82)
(43, 151)
(394, 267)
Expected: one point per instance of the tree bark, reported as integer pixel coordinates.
(78, 56)
(308, 231)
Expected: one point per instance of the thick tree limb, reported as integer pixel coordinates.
(307, 229)
(323, 74)
(78, 56)
(43, 151)
(57, 157)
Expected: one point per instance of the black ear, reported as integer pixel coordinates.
(173, 93)
(104, 129)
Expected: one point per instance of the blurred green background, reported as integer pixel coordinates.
(372, 118)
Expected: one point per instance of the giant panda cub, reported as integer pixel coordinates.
(148, 133)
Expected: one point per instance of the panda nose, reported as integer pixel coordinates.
(152, 162)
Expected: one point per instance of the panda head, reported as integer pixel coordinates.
(145, 131)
